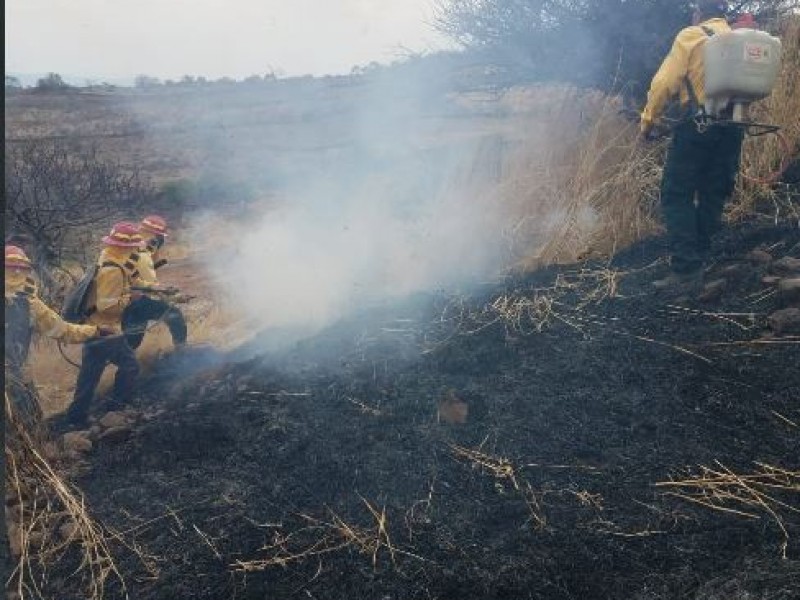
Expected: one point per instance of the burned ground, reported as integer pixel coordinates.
(325, 472)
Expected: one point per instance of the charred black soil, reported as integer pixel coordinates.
(327, 472)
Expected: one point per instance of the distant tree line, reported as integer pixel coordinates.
(605, 44)
(148, 82)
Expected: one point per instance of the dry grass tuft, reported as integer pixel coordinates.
(321, 537)
(591, 194)
(503, 470)
(528, 311)
(764, 154)
(770, 491)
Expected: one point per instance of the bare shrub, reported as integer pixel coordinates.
(58, 198)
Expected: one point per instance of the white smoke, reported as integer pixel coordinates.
(389, 188)
(320, 256)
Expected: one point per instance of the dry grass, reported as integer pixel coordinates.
(48, 521)
(591, 193)
(325, 536)
(769, 491)
(595, 190)
(763, 155)
(506, 472)
(528, 311)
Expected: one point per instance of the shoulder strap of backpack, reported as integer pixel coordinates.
(128, 268)
(694, 103)
(30, 286)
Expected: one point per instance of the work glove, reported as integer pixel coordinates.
(182, 298)
(649, 137)
(103, 331)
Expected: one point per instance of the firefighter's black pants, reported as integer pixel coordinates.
(144, 309)
(97, 353)
(699, 176)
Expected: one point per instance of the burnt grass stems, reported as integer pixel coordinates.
(324, 471)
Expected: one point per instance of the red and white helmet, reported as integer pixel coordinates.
(154, 225)
(124, 235)
(16, 259)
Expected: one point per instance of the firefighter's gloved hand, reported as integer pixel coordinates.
(105, 331)
(647, 137)
(182, 298)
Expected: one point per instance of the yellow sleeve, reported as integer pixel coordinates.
(113, 294)
(147, 270)
(47, 322)
(667, 81)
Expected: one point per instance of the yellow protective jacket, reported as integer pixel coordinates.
(44, 320)
(685, 59)
(112, 289)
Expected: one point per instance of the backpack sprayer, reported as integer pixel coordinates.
(741, 66)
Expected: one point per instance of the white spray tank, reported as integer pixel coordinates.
(741, 66)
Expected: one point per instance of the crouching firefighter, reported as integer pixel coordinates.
(25, 312)
(703, 157)
(100, 299)
(152, 304)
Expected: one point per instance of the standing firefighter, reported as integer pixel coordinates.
(25, 312)
(107, 298)
(702, 163)
(147, 308)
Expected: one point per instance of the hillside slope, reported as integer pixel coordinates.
(341, 469)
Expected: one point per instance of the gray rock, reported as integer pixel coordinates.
(787, 265)
(114, 419)
(786, 320)
(759, 257)
(789, 291)
(77, 442)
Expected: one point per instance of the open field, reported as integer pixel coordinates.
(426, 360)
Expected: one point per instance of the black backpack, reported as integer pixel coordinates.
(18, 330)
(76, 307)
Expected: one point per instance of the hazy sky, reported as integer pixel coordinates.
(214, 38)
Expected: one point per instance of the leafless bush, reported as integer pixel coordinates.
(58, 198)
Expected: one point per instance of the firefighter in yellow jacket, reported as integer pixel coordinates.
(25, 313)
(702, 162)
(152, 306)
(117, 271)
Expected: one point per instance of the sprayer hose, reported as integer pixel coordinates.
(144, 329)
